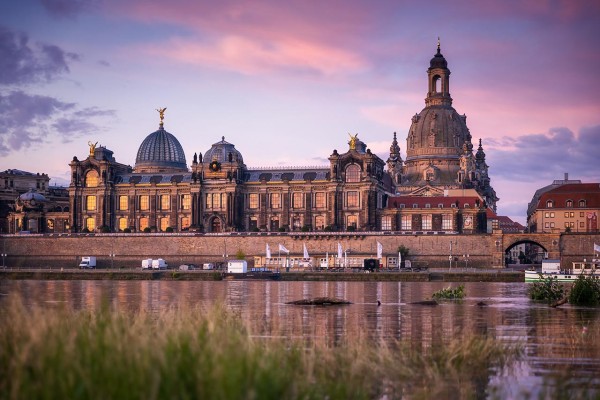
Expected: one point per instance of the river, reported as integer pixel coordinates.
(561, 345)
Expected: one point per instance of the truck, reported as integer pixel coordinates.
(147, 263)
(87, 262)
(208, 266)
(237, 267)
(159, 263)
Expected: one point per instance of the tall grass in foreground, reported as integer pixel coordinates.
(211, 354)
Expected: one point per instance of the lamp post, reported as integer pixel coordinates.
(466, 257)
(112, 259)
(3, 256)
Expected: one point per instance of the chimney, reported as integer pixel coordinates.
(566, 176)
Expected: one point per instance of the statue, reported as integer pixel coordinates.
(161, 112)
(92, 148)
(352, 142)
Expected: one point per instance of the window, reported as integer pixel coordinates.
(386, 223)
(426, 222)
(50, 224)
(275, 200)
(581, 225)
(429, 176)
(569, 204)
(297, 223)
(165, 201)
(453, 205)
(467, 205)
(440, 205)
(551, 224)
(547, 214)
(214, 200)
(551, 215)
(415, 205)
(90, 203)
(427, 205)
(253, 200)
(123, 203)
(566, 215)
(122, 224)
(547, 225)
(406, 222)
(274, 224)
(185, 222)
(581, 203)
(572, 215)
(320, 200)
(91, 179)
(581, 214)
(90, 224)
(164, 223)
(320, 222)
(352, 221)
(572, 224)
(252, 224)
(352, 199)
(566, 224)
(143, 223)
(144, 203)
(447, 222)
(186, 202)
(353, 173)
(549, 204)
(297, 200)
(402, 205)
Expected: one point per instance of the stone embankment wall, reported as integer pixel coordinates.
(430, 251)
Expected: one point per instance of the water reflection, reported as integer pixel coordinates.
(561, 345)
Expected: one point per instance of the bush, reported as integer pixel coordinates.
(147, 230)
(585, 292)
(240, 255)
(105, 229)
(169, 229)
(449, 293)
(306, 228)
(126, 230)
(548, 290)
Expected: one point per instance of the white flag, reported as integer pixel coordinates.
(305, 251)
(596, 248)
(282, 248)
(339, 250)
(379, 250)
(268, 251)
(399, 259)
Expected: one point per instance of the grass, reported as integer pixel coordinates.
(212, 354)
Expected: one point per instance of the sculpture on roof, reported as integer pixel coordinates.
(352, 142)
(92, 147)
(161, 112)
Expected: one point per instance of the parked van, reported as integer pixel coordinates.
(237, 267)
(147, 263)
(208, 266)
(159, 264)
(88, 262)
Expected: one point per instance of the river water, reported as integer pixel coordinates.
(561, 345)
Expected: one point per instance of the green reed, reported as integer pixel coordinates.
(212, 354)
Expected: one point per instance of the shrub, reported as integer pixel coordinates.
(585, 292)
(126, 230)
(105, 229)
(306, 228)
(147, 230)
(240, 255)
(169, 229)
(449, 293)
(548, 290)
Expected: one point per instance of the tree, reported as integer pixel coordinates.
(403, 250)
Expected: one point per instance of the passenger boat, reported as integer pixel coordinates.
(551, 269)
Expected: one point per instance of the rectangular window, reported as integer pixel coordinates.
(90, 224)
(164, 224)
(572, 215)
(90, 203)
(447, 222)
(426, 221)
(185, 223)
(186, 202)
(551, 224)
(320, 200)
(275, 200)
(122, 224)
(123, 203)
(297, 200)
(253, 200)
(581, 225)
(566, 215)
(144, 203)
(572, 225)
(386, 223)
(352, 221)
(352, 199)
(566, 224)
(547, 214)
(547, 225)
(406, 222)
(320, 222)
(143, 224)
(165, 202)
(208, 201)
(581, 214)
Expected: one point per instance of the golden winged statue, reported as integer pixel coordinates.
(92, 147)
(161, 112)
(352, 142)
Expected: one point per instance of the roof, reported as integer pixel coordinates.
(590, 192)
(434, 201)
(287, 174)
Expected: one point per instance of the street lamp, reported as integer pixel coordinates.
(112, 259)
(3, 256)
(466, 257)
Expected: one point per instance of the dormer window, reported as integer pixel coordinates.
(549, 204)
(415, 205)
(353, 173)
(569, 204)
(440, 205)
(582, 203)
(427, 205)
(467, 205)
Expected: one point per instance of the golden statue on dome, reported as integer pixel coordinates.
(352, 142)
(92, 148)
(161, 112)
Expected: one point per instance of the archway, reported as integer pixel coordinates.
(215, 225)
(524, 251)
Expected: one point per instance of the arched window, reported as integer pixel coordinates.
(437, 84)
(91, 179)
(353, 173)
(164, 224)
(90, 224)
(549, 204)
(581, 203)
(143, 223)
(569, 203)
(122, 224)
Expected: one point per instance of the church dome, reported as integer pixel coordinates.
(160, 152)
(32, 197)
(438, 61)
(223, 152)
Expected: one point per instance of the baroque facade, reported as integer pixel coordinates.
(219, 193)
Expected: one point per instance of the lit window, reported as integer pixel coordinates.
(581, 203)
(447, 221)
(297, 200)
(406, 222)
(352, 221)
(90, 224)
(144, 203)
(186, 202)
(440, 205)
(320, 200)
(123, 203)
(353, 173)
(185, 223)
(352, 199)
(549, 204)
(551, 224)
(91, 179)
(143, 223)
(426, 224)
(386, 223)
(253, 200)
(569, 203)
(165, 201)
(90, 204)
(275, 200)
(427, 205)
(320, 222)
(572, 224)
(566, 215)
(551, 215)
(122, 224)
(297, 223)
(164, 223)
(572, 215)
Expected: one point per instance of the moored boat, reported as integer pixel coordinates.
(551, 269)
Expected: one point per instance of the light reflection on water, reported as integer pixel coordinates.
(559, 343)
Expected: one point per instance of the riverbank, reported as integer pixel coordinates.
(487, 275)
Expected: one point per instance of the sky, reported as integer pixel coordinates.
(287, 81)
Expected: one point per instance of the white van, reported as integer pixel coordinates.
(159, 264)
(147, 263)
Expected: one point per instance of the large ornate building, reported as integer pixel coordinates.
(441, 186)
